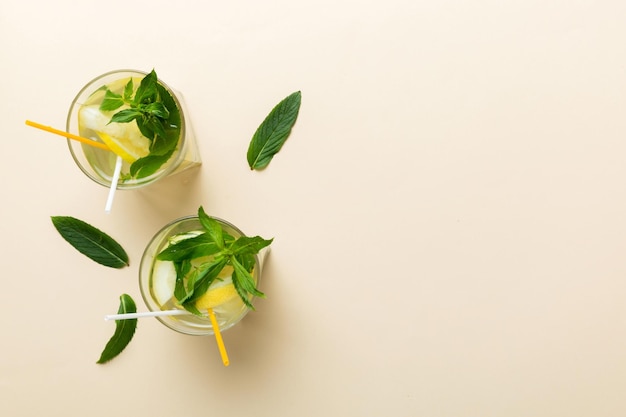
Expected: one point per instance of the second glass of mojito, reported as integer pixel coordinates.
(141, 120)
(162, 279)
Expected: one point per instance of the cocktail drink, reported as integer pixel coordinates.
(173, 264)
(141, 120)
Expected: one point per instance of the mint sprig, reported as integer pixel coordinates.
(157, 116)
(222, 249)
(143, 104)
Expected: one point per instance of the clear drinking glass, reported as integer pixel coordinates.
(157, 280)
(99, 164)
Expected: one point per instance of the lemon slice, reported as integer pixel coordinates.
(130, 147)
(124, 139)
(218, 294)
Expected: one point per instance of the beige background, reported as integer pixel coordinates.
(448, 213)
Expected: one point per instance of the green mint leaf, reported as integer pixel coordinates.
(247, 261)
(128, 90)
(147, 91)
(249, 245)
(201, 277)
(244, 283)
(91, 241)
(111, 101)
(193, 247)
(125, 116)
(145, 127)
(148, 165)
(188, 281)
(173, 122)
(213, 228)
(244, 278)
(190, 307)
(157, 126)
(242, 294)
(203, 280)
(161, 146)
(157, 109)
(182, 269)
(124, 331)
(273, 132)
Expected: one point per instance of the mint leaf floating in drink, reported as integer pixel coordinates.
(91, 241)
(273, 132)
(124, 330)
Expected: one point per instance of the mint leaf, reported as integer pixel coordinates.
(156, 125)
(182, 270)
(148, 165)
(249, 245)
(157, 109)
(144, 127)
(273, 132)
(203, 280)
(160, 144)
(111, 101)
(193, 247)
(125, 116)
(147, 91)
(244, 278)
(128, 90)
(124, 330)
(248, 261)
(91, 241)
(243, 283)
(212, 227)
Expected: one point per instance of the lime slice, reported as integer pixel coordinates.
(124, 139)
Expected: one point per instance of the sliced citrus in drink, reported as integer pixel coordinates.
(129, 147)
(124, 139)
(163, 281)
(219, 293)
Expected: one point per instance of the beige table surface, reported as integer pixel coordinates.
(449, 212)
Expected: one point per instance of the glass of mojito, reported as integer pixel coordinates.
(184, 269)
(141, 120)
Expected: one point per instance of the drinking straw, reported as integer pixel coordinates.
(68, 135)
(216, 327)
(114, 180)
(126, 316)
(218, 338)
